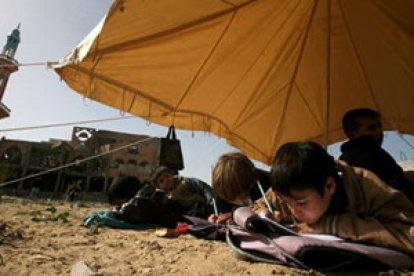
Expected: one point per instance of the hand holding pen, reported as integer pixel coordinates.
(217, 217)
(269, 213)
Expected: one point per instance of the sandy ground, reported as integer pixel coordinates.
(53, 247)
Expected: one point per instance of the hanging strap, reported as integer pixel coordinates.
(171, 133)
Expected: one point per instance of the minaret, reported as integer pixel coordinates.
(8, 65)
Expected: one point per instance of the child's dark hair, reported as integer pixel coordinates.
(350, 119)
(122, 189)
(301, 165)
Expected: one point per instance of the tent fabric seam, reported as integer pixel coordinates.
(162, 104)
(219, 40)
(228, 3)
(364, 73)
(265, 77)
(241, 79)
(289, 93)
(171, 31)
(307, 105)
(402, 59)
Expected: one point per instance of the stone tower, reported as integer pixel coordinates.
(8, 65)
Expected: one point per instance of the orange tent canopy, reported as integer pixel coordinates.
(257, 72)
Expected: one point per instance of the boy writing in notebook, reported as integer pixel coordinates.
(235, 179)
(326, 197)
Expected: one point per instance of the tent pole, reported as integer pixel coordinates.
(328, 78)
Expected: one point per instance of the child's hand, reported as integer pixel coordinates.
(222, 218)
(212, 218)
(277, 215)
(302, 228)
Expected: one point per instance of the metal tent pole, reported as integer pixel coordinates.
(328, 78)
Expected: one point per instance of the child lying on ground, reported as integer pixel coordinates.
(166, 206)
(188, 189)
(323, 196)
(235, 179)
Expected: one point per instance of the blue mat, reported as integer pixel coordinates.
(108, 218)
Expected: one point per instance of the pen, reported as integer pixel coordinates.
(216, 213)
(264, 197)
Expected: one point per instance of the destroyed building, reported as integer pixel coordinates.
(19, 159)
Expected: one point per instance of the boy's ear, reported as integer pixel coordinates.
(330, 186)
(351, 134)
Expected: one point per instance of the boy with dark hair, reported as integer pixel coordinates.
(363, 127)
(363, 121)
(327, 197)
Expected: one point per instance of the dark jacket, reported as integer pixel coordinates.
(150, 205)
(365, 153)
(204, 190)
(191, 197)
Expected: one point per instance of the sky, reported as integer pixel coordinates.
(50, 29)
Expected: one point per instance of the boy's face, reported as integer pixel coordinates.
(369, 126)
(307, 205)
(166, 181)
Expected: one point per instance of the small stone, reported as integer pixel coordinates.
(3, 226)
(81, 269)
(41, 258)
(93, 230)
(412, 231)
(81, 205)
(146, 270)
(96, 266)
